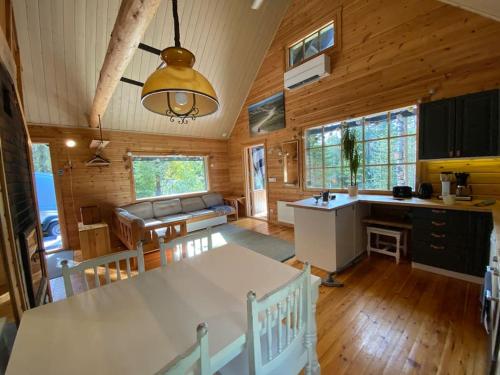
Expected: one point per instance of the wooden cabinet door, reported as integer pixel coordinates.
(437, 129)
(477, 124)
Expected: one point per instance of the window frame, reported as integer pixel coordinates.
(206, 160)
(335, 19)
(363, 164)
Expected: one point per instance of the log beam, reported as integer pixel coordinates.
(133, 18)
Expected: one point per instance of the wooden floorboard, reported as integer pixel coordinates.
(388, 318)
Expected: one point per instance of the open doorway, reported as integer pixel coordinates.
(256, 181)
(46, 197)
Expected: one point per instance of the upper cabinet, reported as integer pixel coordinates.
(465, 126)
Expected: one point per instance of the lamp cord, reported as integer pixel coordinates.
(176, 24)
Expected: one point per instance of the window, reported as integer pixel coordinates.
(156, 176)
(386, 144)
(311, 45)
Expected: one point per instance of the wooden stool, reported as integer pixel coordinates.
(399, 236)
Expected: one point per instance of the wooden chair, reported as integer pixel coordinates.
(279, 339)
(187, 363)
(105, 261)
(179, 245)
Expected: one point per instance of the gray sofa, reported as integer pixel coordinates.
(145, 220)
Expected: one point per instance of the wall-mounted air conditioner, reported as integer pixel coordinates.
(307, 72)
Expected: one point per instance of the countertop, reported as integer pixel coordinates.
(343, 200)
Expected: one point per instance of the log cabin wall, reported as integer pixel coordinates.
(111, 186)
(393, 53)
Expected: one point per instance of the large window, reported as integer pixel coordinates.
(156, 176)
(311, 45)
(386, 143)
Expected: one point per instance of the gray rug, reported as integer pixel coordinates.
(54, 262)
(269, 246)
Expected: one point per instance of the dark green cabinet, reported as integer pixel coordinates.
(465, 126)
(457, 241)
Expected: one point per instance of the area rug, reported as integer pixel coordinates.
(54, 262)
(269, 246)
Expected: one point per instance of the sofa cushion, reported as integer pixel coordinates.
(192, 204)
(198, 213)
(213, 199)
(174, 217)
(144, 210)
(151, 222)
(167, 207)
(223, 209)
(127, 215)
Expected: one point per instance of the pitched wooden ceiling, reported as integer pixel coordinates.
(63, 44)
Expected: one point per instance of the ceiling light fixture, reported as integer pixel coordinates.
(175, 89)
(70, 143)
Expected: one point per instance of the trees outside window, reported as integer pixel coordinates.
(156, 176)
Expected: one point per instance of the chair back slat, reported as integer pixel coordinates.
(195, 360)
(129, 272)
(107, 275)
(179, 245)
(283, 317)
(103, 261)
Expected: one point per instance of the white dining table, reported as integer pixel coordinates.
(138, 325)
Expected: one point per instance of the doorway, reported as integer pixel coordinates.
(256, 181)
(46, 197)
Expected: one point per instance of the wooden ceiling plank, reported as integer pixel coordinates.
(133, 18)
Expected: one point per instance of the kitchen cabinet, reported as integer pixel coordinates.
(465, 126)
(457, 241)
(327, 238)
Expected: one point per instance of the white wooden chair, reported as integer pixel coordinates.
(105, 260)
(180, 244)
(187, 363)
(279, 336)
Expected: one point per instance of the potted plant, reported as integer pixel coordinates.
(351, 155)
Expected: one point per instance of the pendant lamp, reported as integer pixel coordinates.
(175, 89)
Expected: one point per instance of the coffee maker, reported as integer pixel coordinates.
(464, 190)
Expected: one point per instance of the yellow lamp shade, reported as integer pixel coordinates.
(177, 89)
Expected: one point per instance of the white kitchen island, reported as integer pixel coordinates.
(329, 235)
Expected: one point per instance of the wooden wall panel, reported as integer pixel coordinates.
(108, 187)
(394, 53)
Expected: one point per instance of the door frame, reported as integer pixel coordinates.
(248, 178)
(58, 191)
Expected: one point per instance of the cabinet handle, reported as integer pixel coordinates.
(435, 235)
(458, 152)
(437, 247)
(438, 223)
(439, 211)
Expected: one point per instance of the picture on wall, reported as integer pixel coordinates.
(267, 115)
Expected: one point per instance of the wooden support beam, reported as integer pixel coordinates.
(133, 18)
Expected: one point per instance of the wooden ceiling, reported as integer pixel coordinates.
(63, 44)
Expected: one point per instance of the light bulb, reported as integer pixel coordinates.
(181, 98)
(70, 143)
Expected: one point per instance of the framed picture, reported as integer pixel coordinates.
(267, 115)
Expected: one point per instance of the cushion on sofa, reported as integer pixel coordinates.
(223, 209)
(144, 210)
(151, 222)
(201, 213)
(213, 199)
(167, 207)
(127, 215)
(174, 217)
(192, 204)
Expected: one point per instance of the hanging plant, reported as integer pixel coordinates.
(351, 154)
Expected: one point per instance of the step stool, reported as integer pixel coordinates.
(399, 238)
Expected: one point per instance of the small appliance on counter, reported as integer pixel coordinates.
(402, 192)
(425, 190)
(463, 189)
(446, 178)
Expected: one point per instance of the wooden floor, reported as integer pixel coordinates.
(388, 318)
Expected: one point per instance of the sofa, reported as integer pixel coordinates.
(147, 220)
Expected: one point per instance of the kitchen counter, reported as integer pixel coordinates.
(338, 208)
(343, 200)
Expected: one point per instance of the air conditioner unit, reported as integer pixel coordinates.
(307, 72)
